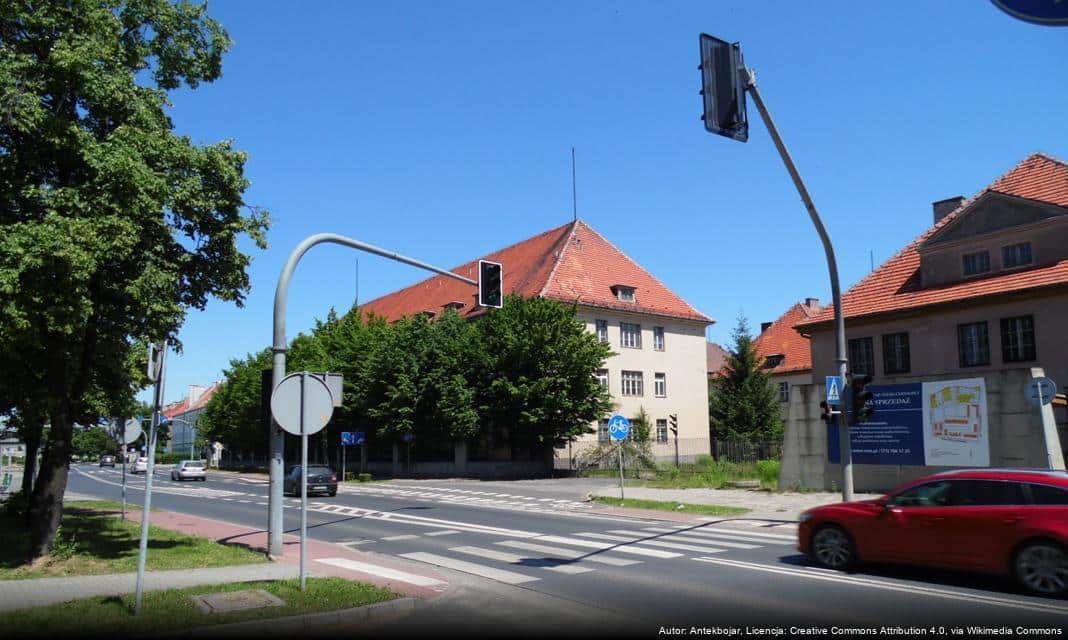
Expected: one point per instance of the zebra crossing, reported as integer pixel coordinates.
(514, 561)
(452, 495)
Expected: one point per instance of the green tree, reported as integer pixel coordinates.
(233, 415)
(93, 443)
(743, 404)
(112, 224)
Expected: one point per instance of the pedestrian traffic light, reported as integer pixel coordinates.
(861, 398)
(723, 87)
(490, 283)
(674, 423)
(828, 411)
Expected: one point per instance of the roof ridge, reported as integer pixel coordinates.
(559, 257)
(641, 268)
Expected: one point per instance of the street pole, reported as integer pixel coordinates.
(279, 348)
(303, 483)
(143, 552)
(676, 449)
(832, 267)
(620, 469)
(342, 462)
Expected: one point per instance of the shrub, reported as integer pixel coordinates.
(64, 547)
(364, 477)
(768, 472)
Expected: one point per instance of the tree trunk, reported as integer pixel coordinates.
(46, 501)
(32, 437)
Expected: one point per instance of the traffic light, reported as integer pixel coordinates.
(674, 423)
(490, 283)
(828, 411)
(723, 88)
(861, 398)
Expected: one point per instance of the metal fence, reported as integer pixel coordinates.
(741, 451)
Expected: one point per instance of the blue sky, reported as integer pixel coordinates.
(443, 131)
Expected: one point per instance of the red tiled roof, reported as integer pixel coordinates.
(895, 285)
(570, 263)
(781, 339)
(183, 406)
(715, 357)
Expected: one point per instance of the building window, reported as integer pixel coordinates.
(784, 392)
(1018, 339)
(896, 353)
(862, 356)
(978, 262)
(630, 335)
(1016, 255)
(974, 344)
(660, 385)
(602, 431)
(624, 294)
(632, 383)
(661, 430)
(602, 330)
(602, 377)
(658, 338)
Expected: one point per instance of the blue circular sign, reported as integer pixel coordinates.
(618, 427)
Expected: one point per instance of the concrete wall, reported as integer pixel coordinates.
(1017, 437)
(683, 360)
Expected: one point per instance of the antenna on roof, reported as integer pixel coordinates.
(574, 197)
(356, 302)
(871, 257)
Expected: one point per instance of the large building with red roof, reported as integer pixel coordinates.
(658, 337)
(786, 353)
(983, 293)
(183, 416)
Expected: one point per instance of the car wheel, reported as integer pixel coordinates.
(833, 548)
(332, 493)
(1042, 567)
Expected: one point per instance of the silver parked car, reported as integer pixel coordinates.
(189, 470)
(140, 465)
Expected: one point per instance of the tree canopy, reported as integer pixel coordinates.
(743, 404)
(113, 225)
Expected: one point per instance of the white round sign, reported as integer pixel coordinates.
(131, 432)
(299, 390)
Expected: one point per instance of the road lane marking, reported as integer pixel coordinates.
(512, 558)
(402, 537)
(355, 543)
(749, 535)
(447, 532)
(570, 554)
(383, 572)
(615, 548)
(679, 537)
(970, 598)
(652, 543)
(743, 536)
(500, 575)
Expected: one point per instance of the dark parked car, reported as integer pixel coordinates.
(1012, 522)
(107, 461)
(320, 480)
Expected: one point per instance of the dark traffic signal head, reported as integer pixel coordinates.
(828, 411)
(861, 398)
(674, 418)
(490, 284)
(723, 88)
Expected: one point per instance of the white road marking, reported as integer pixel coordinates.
(447, 532)
(652, 543)
(970, 598)
(511, 558)
(500, 575)
(747, 535)
(355, 543)
(403, 537)
(680, 537)
(383, 572)
(590, 544)
(568, 553)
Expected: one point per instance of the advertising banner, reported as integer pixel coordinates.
(940, 423)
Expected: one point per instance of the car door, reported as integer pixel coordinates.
(983, 523)
(906, 531)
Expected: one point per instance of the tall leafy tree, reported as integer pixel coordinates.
(743, 404)
(113, 225)
(232, 416)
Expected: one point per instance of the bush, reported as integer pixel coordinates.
(64, 547)
(173, 458)
(768, 472)
(364, 477)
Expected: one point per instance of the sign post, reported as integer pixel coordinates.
(125, 433)
(618, 430)
(302, 405)
(157, 357)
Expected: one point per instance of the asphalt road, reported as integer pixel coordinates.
(639, 576)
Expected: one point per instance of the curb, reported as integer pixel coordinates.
(307, 623)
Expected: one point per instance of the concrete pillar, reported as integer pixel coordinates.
(396, 460)
(460, 456)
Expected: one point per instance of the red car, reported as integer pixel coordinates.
(1011, 522)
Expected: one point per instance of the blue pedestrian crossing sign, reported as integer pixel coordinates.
(618, 427)
(834, 390)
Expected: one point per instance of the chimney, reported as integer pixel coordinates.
(943, 207)
(812, 303)
(195, 391)
(764, 326)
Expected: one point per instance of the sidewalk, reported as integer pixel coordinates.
(763, 505)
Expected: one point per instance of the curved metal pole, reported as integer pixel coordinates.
(278, 349)
(836, 293)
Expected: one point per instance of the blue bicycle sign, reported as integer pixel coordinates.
(618, 427)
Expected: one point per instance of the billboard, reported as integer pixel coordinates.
(941, 423)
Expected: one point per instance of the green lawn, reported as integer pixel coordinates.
(679, 507)
(94, 540)
(168, 611)
(704, 473)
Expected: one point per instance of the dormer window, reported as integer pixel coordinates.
(429, 314)
(1016, 255)
(455, 305)
(975, 263)
(623, 292)
(773, 360)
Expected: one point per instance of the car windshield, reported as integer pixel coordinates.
(195, 464)
(316, 471)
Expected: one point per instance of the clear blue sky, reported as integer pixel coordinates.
(443, 130)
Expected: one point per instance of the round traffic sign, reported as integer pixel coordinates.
(1041, 391)
(297, 391)
(129, 431)
(618, 427)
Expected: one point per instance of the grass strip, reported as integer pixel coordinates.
(678, 507)
(175, 609)
(94, 540)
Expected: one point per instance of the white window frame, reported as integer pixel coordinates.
(661, 430)
(784, 391)
(602, 431)
(658, 338)
(625, 294)
(602, 377)
(601, 329)
(632, 384)
(632, 338)
(660, 385)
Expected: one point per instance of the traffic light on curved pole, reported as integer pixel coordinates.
(674, 418)
(861, 398)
